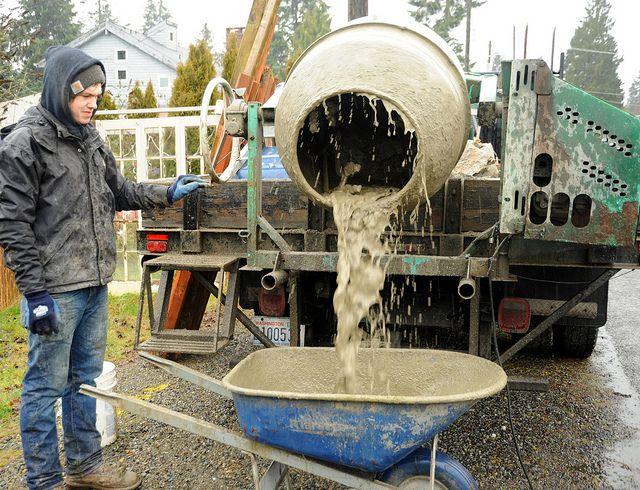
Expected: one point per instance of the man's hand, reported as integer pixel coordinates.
(42, 314)
(183, 185)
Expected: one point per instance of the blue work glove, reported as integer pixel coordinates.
(183, 185)
(41, 313)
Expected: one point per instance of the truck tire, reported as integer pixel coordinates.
(574, 340)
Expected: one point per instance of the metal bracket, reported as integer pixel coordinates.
(559, 313)
(272, 233)
(191, 241)
(241, 316)
(188, 374)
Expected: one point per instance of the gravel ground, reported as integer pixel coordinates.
(565, 433)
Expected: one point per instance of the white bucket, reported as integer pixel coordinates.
(105, 414)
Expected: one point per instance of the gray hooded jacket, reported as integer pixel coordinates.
(58, 196)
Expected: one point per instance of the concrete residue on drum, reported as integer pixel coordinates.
(399, 108)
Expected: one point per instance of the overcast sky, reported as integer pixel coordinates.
(493, 22)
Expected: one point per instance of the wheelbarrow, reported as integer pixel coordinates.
(289, 413)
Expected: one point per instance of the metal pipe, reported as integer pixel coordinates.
(205, 150)
(467, 288)
(274, 279)
(188, 374)
(467, 44)
(553, 48)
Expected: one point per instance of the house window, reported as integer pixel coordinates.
(122, 74)
(171, 36)
(164, 82)
(122, 54)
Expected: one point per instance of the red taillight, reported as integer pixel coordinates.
(272, 302)
(157, 243)
(158, 237)
(514, 315)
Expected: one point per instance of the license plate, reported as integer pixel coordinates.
(277, 330)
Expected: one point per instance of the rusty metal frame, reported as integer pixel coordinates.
(232, 312)
(559, 313)
(414, 265)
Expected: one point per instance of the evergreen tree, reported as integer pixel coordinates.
(230, 55)
(633, 101)
(193, 76)
(290, 16)
(150, 101)
(592, 61)
(495, 64)
(443, 16)
(107, 104)
(136, 101)
(205, 34)
(44, 24)
(11, 83)
(104, 13)
(315, 23)
(163, 13)
(150, 15)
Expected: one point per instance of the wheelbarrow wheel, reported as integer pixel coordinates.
(413, 472)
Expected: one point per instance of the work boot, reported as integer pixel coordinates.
(106, 477)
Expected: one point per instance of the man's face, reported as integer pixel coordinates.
(85, 103)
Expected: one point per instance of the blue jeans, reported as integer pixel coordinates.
(58, 364)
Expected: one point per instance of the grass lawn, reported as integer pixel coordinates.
(13, 352)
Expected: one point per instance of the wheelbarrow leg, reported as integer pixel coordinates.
(255, 471)
(273, 477)
(432, 469)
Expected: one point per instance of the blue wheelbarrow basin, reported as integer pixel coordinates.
(286, 397)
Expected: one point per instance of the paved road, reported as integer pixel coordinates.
(618, 356)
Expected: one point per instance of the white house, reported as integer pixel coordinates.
(129, 56)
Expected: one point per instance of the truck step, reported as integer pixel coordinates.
(183, 342)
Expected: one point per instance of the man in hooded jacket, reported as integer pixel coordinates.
(59, 190)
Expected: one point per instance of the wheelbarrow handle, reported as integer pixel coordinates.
(188, 374)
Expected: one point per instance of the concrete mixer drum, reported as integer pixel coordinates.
(374, 104)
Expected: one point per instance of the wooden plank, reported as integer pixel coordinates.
(225, 206)
(9, 293)
(194, 304)
(282, 205)
(223, 155)
(253, 22)
(262, 96)
(255, 61)
(244, 81)
(480, 206)
(178, 294)
(265, 46)
(251, 94)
